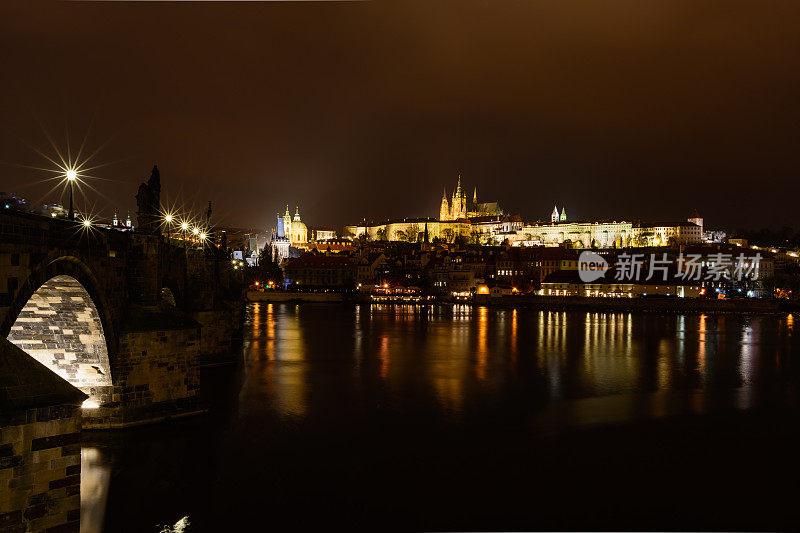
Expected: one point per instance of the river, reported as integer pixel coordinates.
(459, 418)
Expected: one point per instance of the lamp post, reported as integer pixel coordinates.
(168, 220)
(71, 177)
(184, 227)
(203, 246)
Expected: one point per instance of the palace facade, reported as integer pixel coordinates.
(412, 229)
(608, 234)
(486, 223)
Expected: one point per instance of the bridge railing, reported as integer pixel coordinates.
(30, 228)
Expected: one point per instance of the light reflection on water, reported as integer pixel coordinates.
(464, 357)
(310, 372)
(95, 476)
(276, 354)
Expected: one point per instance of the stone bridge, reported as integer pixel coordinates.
(126, 317)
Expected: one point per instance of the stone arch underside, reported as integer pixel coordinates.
(167, 296)
(61, 328)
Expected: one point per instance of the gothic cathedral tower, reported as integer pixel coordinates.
(444, 211)
(459, 204)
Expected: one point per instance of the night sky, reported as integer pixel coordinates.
(352, 110)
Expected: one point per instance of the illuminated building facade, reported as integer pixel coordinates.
(568, 283)
(324, 234)
(485, 223)
(459, 207)
(608, 234)
(496, 229)
(412, 230)
(295, 229)
(600, 234)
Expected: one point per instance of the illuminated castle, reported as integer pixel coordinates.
(459, 207)
(486, 223)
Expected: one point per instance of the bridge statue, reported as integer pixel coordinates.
(148, 203)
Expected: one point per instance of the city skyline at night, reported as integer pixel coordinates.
(632, 109)
(399, 265)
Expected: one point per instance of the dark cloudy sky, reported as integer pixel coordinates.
(635, 109)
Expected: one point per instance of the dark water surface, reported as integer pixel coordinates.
(453, 418)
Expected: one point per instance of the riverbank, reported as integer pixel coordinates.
(654, 304)
(294, 297)
(556, 303)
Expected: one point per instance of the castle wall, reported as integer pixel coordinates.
(603, 234)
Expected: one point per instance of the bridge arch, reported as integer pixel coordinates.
(60, 317)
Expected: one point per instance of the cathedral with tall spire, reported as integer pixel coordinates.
(458, 207)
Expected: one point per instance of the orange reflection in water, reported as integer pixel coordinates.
(482, 352)
(701, 345)
(448, 356)
(277, 353)
(606, 358)
(514, 325)
(270, 341)
(383, 356)
(461, 356)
